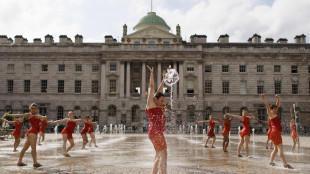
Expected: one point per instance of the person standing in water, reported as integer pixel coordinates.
(18, 126)
(275, 135)
(294, 134)
(245, 132)
(155, 106)
(210, 133)
(84, 131)
(225, 133)
(42, 131)
(34, 120)
(91, 131)
(268, 133)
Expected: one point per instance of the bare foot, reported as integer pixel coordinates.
(212, 146)
(288, 166)
(266, 147)
(239, 155)
(39, 144)
(96, 146)
(37, 165)
(21, 164)
(66, 155)
(15, 150)
(272, 164)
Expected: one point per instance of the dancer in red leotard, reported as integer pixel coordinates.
(275, 135)
(225, 133)
(18, 126)
(245, 132)
(210, 133)
(68, 131)
(294, 134)
(269, 131)
(91, 131)
(42, 131)
(84, 131)
(34, 120)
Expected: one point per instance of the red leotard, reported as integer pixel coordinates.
(43, 126)
(275, 135)
(211, 130)
(85, 128)
(90, 129)
(246, 127)
(294, 132)
(69, 129)
(226, 130)
(18, 127)
(35, 125)
(269, 129)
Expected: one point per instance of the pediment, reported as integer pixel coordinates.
(152, 32)
(190, 76)
(113, 75)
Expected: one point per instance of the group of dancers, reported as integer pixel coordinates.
(155, 108)
(35, 119)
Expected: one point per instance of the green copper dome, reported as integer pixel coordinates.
(151, 19)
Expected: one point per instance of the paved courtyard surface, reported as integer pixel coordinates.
(134, 153)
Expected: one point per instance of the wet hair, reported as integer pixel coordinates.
(33, 104)
(159, 94)
(273, 107)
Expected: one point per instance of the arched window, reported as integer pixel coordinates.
(135, 113)
(60, 113)
(8, 109)
(243, 108)
(25, 109)
(77, 111)
(207, 113)
(190, 113)
(94, 113)
(112, 111)
(226, 110)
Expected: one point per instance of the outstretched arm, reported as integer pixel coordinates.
(221, 120)
(266, 122)
(203, 121)
(60, 121)
(251, 117)
(10, 122)
(236, 116)
(27, 115)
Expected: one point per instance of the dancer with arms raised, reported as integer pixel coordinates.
(210, 133)
(294, 134)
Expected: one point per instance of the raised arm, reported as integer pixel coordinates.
(278, 101)
(266, 104)
(150, 103)
(203, 121)
(162, 84)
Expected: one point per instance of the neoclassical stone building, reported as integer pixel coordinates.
(106, 79)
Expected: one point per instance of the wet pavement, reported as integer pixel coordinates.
(134, 153)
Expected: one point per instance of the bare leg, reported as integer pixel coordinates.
(240, 145)
(294, 144)
(273, 154)
(16, 143)
(246, 147)
(206, 144)
(22, 152)
(267, 143)
(71, 141)
(227, 142)
(33, 144)
(64, 145)
(163, 161)
(39, 139)
(93, 138)
(271, 144)
(224, 142)
(212, 145)
(281, 154)
(85, 140)
(156, 163)
(43, 136)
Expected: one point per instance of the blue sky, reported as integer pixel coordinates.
(96, 18)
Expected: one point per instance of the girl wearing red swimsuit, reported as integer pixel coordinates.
(91, 131)
(294, 134)
(84, 131)
(18, 126)
(210, 133)
(42, 131)
(225, 133)
(268, 133)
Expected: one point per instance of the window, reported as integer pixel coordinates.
(78, 68)
(308, 68)
(27, 67)
(208, 86)
(225, 68)
(151, 42)
(208, 113)
(43, 86)
(10, 68)
(94, 113)
(295, 88)
(226, 110)
(61, 86)
(113, 85)
(242, 68)
(277, 68)
(94, 86)
(8, 109)
(191, 113)
(280, 111)
(260, 68)
(208, 68)
(136, 85)
(26, 86)
(136, 42)
(294, 69)
(61, 68)
(95, 68)
(112, 67)
(25, 109)
(262, 113)
(277, 87)
(190, 87)
(44, 67)
(135, 113)
(243, 87)
(260, 87)
(77, 110)
(60, 112)
(112, 111)
(78, 86)
(136, 69)
(225, 87)
(166, 42)
(10, 86)
(190, 67)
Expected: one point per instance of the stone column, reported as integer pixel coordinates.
(181, 80)
(103, 80)
(175, 89)
(128, 80)
(143, 77)
(200, 79)
(122, 79)
(159, 76)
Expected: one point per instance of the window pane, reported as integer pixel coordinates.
(61, 86)
(10, 86)
(294, 69)
(26, 85)
(43, 86)
(208, 68)
(295, 88)
(260, 68)
(112, 67)
(277, 87)
(208, 86)
(225, 68)
(44, 67)
(260, 87)
(95, 68)
(277, 68)
(95, 86)
(78, 68)
(78, 86)
(190, 67)
(10, 68)
(61, 67)
(243, 87)
(225, 87)
(112, 85)
(242, 68)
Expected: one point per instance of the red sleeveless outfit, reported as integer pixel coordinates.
(294, 131)
(269, 129)
(211, 130)
(157, 128)
(275, 135)
(226, 130)
(91, 128)
(43, 126)
(246, 127)
(69, 129)
(18, 127)
(35, 125)
(85, 128)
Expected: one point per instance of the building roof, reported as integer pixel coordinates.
(152, 19)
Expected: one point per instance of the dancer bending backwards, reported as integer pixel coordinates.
(245, 132)
(91, 131)
(42, 130)
(155, 106)
(275, 132)
(18, 126)
(67, 132)
(294, 134)
(84, 131)
(225, 133)
(34, 120)
(210, 133)
(269, 131)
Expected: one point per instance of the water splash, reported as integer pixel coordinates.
(171, 78)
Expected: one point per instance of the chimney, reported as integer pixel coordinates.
(37, 41)
(49, 39)
(78, 39)
(108, 39)
(63, 39)
(198, 38)
(19, 39)
(269, 40)
(250, 40)
(3, 39)
(223, 39)
(282, 41)
(124, 30)
(69, 40)
(25, 40)
(256, 38)
(300, 39)
(10, 40)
